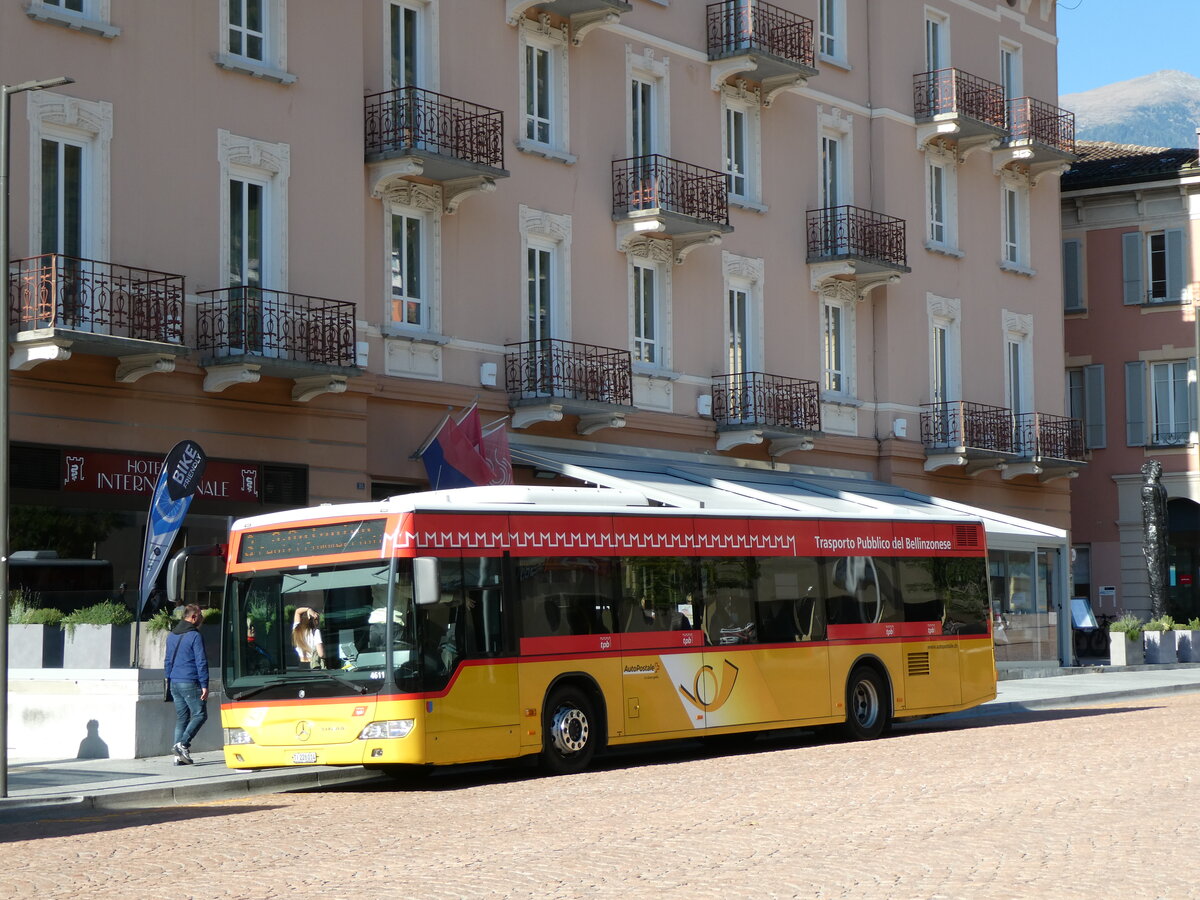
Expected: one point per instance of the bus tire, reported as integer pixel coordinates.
(569, 741)
(867, 713)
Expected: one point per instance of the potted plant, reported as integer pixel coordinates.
(1187, 641)
(35, 637)
(1160, 640)
(1125, 641)
(152, 643)
(98, 637)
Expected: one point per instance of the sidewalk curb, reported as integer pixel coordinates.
(1015, 707)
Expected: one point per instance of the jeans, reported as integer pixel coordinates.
(190, 711)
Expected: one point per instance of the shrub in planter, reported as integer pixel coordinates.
(1160, 640)
(1125, 641)
(98, 637)
(1187, 641)
(35, 637)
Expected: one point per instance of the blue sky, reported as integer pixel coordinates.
(1102, 41)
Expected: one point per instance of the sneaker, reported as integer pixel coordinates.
(178, 762)
(181, 755)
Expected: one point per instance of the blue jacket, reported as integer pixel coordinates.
(185, 655)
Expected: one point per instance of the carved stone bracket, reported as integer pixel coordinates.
(947, 137)
(1025, 161)
(722, 69)
(778, 84)
(582, 23)
(685, 244)
(524, 416)
(593, 422)
(1016, 470)
(780, 446)
(943, 460)
(386, 174)
(305, 389)
(632, 235)
(217, 378)
(28, 354)
(457, 190)
(727, 440)
(131, 368)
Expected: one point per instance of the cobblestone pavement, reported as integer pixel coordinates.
(1094, 802)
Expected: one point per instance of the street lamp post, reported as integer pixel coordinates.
(6, 91)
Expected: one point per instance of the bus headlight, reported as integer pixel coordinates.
(237, 736)
(393, 728)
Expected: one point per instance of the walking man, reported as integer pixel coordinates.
(187, 672)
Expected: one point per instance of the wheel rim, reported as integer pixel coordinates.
(569, 730)
(864, 703)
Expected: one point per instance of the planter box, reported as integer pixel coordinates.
(1124, 652)
(1160, 647)
(35, 646)
(152, 647)
(99, 647)
(1187, 643)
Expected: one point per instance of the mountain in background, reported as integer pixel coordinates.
(1157, 110)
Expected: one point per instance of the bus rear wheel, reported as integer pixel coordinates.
(867, 714)
(569, 743)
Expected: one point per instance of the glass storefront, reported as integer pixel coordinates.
(1024, 605)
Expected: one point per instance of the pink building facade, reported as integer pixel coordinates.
(817, 237)
(1130, 261)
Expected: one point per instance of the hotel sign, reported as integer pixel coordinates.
(94, 472)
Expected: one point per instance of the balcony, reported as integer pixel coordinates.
(1041, 138)
(584, 15)
(955, 106)
(246, 332)
(415, 133)
(59, 305)
(750, 407)
(846, 243)
(659, 197)
(762, 42)
(549, 378)
(1047, 446)
(975, 436)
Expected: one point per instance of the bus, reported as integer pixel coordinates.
(494, 623)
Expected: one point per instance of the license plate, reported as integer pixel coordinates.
(304, 757)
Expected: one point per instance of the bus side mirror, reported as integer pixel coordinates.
(426, 585)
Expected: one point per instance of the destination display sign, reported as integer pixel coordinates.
(313, 540)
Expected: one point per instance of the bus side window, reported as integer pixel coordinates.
(566, 596)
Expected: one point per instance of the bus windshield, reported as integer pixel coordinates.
(326, 625)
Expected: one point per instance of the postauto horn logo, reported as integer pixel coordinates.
(706, 685)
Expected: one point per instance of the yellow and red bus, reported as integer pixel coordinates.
(500, 622)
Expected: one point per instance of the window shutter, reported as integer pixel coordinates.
(1093, 407)
(1071, 294)
(1191, 416)
(1131, 258)
(1135, 404)
(1176, 264)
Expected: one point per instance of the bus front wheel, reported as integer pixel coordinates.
(867, 714)
(569, 743)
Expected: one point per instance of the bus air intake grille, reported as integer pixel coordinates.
(966, 536)
(918, 664)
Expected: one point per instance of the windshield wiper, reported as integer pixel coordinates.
(250, 692)
(285, 682)
(345, 682)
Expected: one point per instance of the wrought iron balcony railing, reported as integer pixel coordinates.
(847, 232)
(414, 119)
(56, 291)
(755, 398)
(959, 93)
(1165, 437)
(736, 27)
(1041, 123)
(1043, 436)
(645, 183)
(557, 369)
(252, 321)
(972, 426)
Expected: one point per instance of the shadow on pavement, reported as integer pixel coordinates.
(71, 819)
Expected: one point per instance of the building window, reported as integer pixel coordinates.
(650, 302)
(87, 16)
(412, 217)
(254, 175)
(741, 139)
(546, 276)
(937, 41)
(1154, 266)
(646, 329)
(836, 370)
(253, 39)
(944, 348)
(407, 270)
(1170, 402)
(743, 348)
(70, 143)
(1072, 276)
(1085, 402)
(1011, 76)
(831, 28)
(1014, 227)
(544, 125)
(1018, 362)
(647, 105)
(941, 200)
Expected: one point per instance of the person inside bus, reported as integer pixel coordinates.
(727, 622)
(306, 637)
(257, 658)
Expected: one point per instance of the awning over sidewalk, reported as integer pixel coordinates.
(697, 482)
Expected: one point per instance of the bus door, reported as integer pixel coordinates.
(661, 645)
(471, 708)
